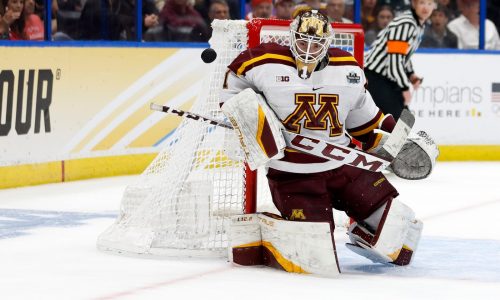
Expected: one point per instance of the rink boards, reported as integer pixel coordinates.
(70, 113)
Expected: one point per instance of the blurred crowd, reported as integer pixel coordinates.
(454, 23)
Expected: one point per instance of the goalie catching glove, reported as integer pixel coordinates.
(417, 157)
(257, 127)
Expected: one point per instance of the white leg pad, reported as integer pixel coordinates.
(297, 247)
(395, 239)
(300, 247)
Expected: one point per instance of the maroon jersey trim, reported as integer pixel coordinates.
(262, 54)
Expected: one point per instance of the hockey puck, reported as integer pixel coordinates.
(208, 55)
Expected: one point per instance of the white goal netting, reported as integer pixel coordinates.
(180, 205)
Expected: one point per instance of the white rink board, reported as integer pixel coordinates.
(96, 114)
(454, 103)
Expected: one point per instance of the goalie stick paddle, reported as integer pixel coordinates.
(323, 149)
(397, 139)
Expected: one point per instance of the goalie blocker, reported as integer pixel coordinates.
(257, 127)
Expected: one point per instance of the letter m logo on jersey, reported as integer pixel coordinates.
(315, 112)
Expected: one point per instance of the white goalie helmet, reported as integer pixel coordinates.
(310, 37)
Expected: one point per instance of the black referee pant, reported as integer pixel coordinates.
(386, 93)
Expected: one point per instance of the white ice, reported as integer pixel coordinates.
(48, 235)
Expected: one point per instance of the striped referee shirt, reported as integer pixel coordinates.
(390, 53)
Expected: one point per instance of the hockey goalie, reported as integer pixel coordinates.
(318, 91)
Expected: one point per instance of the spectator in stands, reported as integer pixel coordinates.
(203, 6)
(335, 10)
(368, 14)
(398, 6)
(493, 12)
(13, 20)
(310, 4)
(218, 10)
(181, 22)
(284, 9)
(466, 27)
(107, 20)
(349, 9)
(314, 4)
(40, 11)
(159, 4)
(67, 15)
(40, 8)
(150, 16)
(384, 15)
(437, 35)
(33, 25)
(4, 26)
(260, 9)
(71, 5)
(451, 5)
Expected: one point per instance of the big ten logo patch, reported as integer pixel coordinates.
(282, 78)
(30, 94)
(297, 214)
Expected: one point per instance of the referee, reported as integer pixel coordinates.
(388, 67)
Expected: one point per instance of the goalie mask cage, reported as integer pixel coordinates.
(180, 205)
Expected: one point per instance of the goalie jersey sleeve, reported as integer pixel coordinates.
(330, 104)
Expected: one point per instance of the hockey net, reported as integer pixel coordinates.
(180, 205)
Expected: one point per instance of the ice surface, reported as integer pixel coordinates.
(48, 235)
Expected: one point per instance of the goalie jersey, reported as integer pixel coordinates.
(330, 105)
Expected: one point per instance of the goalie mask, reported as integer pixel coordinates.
(310, 38)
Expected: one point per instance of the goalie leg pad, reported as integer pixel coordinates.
(245, 242)
(417, 157)
(258, 128)
(296, 247)
(390, 235)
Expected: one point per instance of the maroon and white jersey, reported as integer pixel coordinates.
(326, 106)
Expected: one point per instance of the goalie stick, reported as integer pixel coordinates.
(324, 149)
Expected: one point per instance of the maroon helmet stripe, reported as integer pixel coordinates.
(262, 49)
(268, 61)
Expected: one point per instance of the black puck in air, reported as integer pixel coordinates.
(208, 55)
